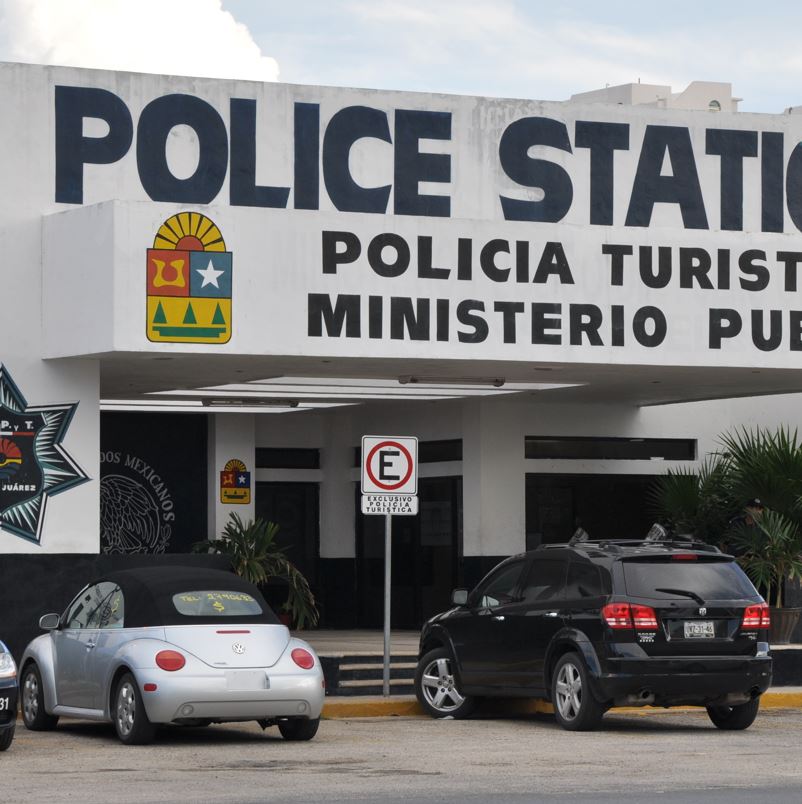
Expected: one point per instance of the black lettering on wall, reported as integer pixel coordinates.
(394, 243)
(643, 319)
(468, 314)
(545, 317)
(156, 122)
(682, 188)
(724, 323)
(344, 129)
(603, 140)
(333, 256)
(413, 167)
(243, 189)
(771, 181)
(767, 343)
(732, 146)
(405, 317)
(553, 179)
(345, 313)
(306, 189)
(73, 150)
(750, 263)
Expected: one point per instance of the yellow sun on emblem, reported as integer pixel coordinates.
(189, 231)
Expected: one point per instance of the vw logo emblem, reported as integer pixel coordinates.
(703, 611)
(238, 648)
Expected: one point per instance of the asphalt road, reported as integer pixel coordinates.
(666, 758)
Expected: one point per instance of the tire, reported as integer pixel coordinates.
(436, 688)
(6, 738)
(299, 728)
(575, 708)
(734, 718)
(130, 718)
(32, 702)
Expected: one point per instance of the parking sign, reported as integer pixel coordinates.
(389, 465)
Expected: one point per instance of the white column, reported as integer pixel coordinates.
(494, 481)
(337, 517)
(231, 435)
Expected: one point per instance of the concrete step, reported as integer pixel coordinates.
(362, 674)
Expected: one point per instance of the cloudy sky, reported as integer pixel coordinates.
(506, 48)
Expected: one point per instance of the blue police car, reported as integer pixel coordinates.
(8, 697)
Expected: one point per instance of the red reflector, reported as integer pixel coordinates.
(170, 660)
(625, 615)
(303, 658)
(149, 688)
(234, 632)
(684, 557)
(756, 616)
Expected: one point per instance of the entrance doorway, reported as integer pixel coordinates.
(606, 506)
(295, 508)
(426, 550)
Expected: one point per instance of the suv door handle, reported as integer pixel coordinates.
(499, 617)
(550, 613)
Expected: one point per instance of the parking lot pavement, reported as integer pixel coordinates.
(637, 757)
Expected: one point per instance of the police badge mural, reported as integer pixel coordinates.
(33, 464)
(189, 282)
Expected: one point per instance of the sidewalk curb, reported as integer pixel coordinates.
(406, 706)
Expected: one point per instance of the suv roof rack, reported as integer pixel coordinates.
(618, 545)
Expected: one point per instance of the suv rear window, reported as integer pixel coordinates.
(711, 580)
(216, 603)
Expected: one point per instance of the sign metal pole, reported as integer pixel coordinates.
(388, 559)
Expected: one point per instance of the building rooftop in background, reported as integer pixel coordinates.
(714, 96)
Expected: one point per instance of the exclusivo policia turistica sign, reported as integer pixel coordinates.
(392, 224)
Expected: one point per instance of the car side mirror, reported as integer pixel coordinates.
(49, 622)
(459, 597)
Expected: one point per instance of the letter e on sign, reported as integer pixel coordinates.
(389, 465)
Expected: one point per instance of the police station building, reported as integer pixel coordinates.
(211, 290)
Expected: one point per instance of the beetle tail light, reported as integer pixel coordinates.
(303, 658)
(170, 660)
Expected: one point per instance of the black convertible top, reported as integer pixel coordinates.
(148, 595)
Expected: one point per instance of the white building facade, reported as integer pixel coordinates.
(213, 289)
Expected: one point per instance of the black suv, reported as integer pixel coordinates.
(601, 624)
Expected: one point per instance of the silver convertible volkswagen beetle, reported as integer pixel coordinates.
(180, 645)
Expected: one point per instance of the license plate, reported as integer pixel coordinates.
(699, 629)
(5, 704)
(244, 680)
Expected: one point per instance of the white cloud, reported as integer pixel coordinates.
(176, 37)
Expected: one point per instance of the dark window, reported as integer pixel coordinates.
(545, 581)
(711, 580)
(428, 451)
(583, 448)
(498, 589)
(435, 451)
(287, 458)
(583, 581)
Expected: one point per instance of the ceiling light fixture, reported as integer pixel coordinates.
(407, 379)
(250, 403)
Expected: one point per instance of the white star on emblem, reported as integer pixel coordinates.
(210, 274)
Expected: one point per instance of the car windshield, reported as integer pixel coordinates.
(710, 580)
(216, 603)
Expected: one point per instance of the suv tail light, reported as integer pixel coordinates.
(756, 616)
(630, 615)
(170, 660)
